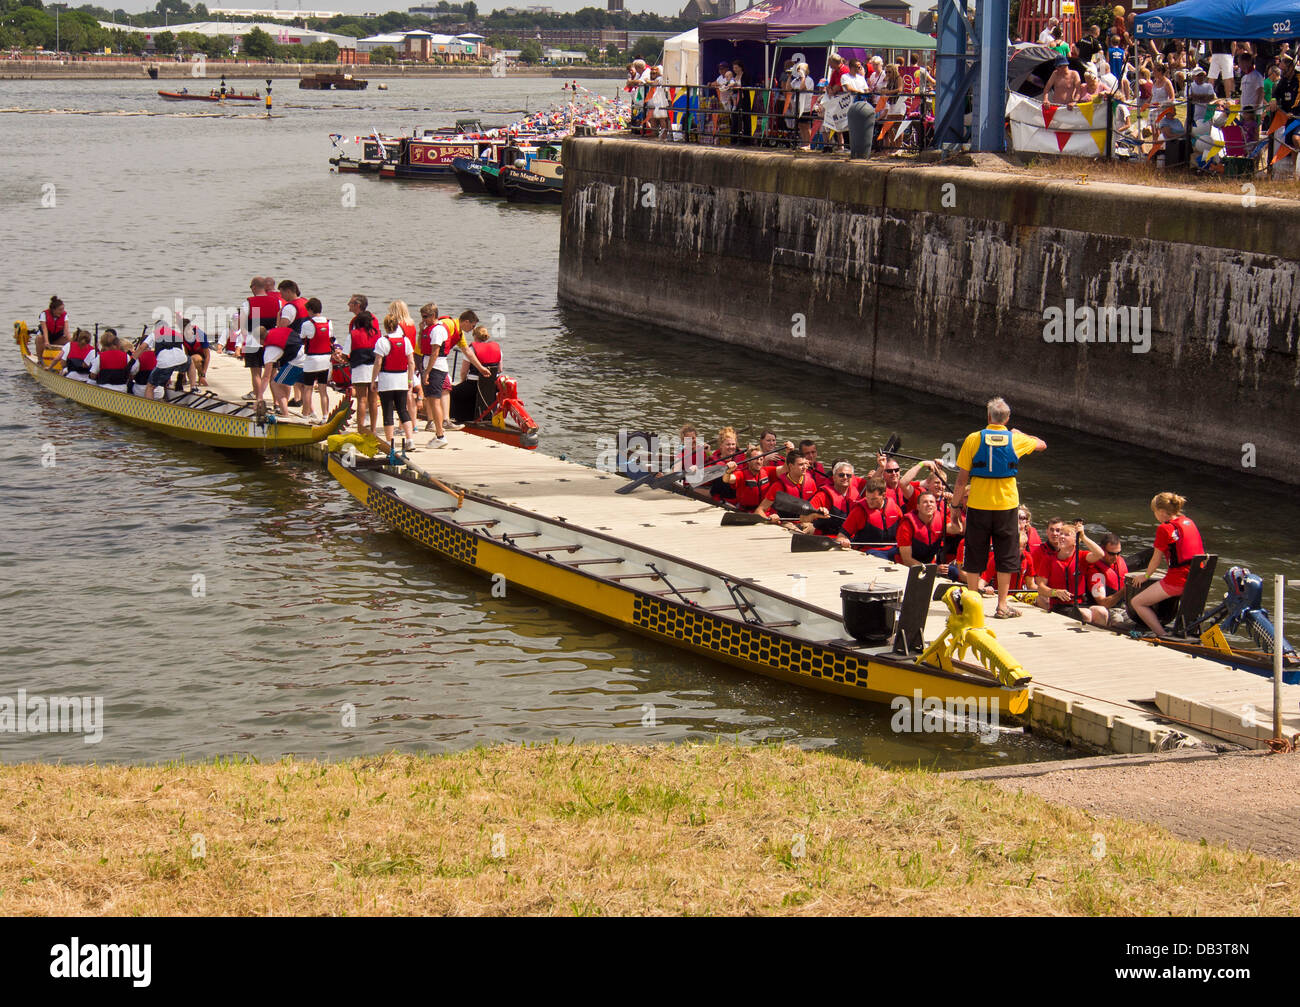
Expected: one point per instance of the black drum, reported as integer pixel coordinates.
(870, 612)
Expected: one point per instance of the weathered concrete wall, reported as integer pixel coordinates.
(939, 279)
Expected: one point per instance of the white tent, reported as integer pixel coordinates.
(682, 58)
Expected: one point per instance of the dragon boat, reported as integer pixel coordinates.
(874, 649)
(192, 416)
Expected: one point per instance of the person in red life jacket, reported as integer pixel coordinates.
(792, 478)
(402, 314)
(1107, 576)
(318, 349)
(113, 364)
(920, 533)
(772, 447)
(1025, 519)
(478, 378)
(284, 346)
(170, 360)
(359, 344)
(816, 469)
(1021, 579)
(1042, 553)
(887, 469)
(395, 354)
(692, 456)
(195, 341)
(76, 357)
(872, 524)
(145, 359)
(51, 328)
(1178, 542)
(910, 487)
(449, 335)
(723, 492)
(257, 316)
(426, 353)
(833, 501)
(750, 480)
(1065, 588)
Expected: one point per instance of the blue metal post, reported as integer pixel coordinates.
(988, 121)
(951, 73)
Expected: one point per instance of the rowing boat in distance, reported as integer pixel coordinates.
(193, 416)
(211, 96)
(689, 605)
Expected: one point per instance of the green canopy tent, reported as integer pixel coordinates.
(860, 31)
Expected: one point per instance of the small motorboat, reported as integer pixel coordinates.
(210, 96)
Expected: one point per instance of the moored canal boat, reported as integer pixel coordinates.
(201, 417)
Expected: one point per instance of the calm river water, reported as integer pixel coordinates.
(309, 605)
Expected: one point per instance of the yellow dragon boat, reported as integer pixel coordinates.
(687, 604)
(192, 416)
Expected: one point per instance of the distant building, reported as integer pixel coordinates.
(891, 10)
(278, 15)
(707, 10)
(615, 6)
(425, 46)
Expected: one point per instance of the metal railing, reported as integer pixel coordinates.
(773, 117)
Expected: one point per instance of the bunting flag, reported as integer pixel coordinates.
(1086, 109)
(1278, 119)
(1049, 113)
(1099, 138)
(1062, 138)
(1071, 131)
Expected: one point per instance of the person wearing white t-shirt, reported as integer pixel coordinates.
(395, 370)
(317, 350)
(171, 358)
(448, 334)
(77, 357)
(1252, 84)
(1045, 37)
(111, 363)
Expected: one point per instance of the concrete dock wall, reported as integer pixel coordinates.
(957, 280)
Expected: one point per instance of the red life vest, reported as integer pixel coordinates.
(804, 491)
(148, 360)
(1111, 578)
(76, 360)
(1021, 580)
(300, 313)
(321, 342)
(926, 538)
(279, 336)
(408, 330)
(865, 526)
(165, 338)
(819, 476)
(750, 487)
(55, 326)
(1184, 541)
(114, 367)
(454, 335)
(363, 346)
(395, 359)
(838, 504)
(488, 353)
(426, 340)
(263, 309)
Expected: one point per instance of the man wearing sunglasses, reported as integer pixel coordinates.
(1106, 576)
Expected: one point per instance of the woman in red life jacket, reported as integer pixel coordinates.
(692, 456)
(359, 344)
(792, 478)
(833, 501)
(195, 341)
(1021, 580)
(872, 524)
(920, 533)
(51, 328)
(1066, 581)
(484, 378)
(318, 349)
(399, 311)
(723, 492)
(77, 357)
(112, 366)
(395, 354)
(1106, 576)
(749, 481)
(1178, 542)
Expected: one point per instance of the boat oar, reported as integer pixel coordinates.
(813, 543)
(738, 518)
(405, 461)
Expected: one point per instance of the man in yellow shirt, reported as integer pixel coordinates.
(988, 462)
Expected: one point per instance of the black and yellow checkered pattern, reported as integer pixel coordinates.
(748, 642)
(454, 542)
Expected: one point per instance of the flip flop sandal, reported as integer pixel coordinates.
(1009, 613)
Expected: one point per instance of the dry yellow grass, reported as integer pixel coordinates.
(588, 830)
(1083, 170)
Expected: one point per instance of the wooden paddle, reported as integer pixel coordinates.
(458, 494)
(737, 518)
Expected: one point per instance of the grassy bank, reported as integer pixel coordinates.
(588, 830)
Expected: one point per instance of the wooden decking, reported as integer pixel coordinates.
(1090, 687)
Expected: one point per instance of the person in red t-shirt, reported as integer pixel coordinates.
(1106, 576)
(749, 480)
(833, 501)
(1178, 542)
(910, 488)
(920, 534)
(872, 524)
(1066, 580)
(1042, 555)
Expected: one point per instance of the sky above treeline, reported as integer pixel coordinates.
(666, 8)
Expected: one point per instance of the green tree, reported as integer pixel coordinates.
(164, 42)
(201, 13)
(503, 42)
(383, 54)
(471, 11)
(611, 51)
(593, 54)
(258, 45)
(531, 51)
(647, 48)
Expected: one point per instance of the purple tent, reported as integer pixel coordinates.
(747, 34)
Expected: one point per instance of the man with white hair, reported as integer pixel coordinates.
(987, 463)
(1045, 37)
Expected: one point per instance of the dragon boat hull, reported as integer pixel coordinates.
(646, 592)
